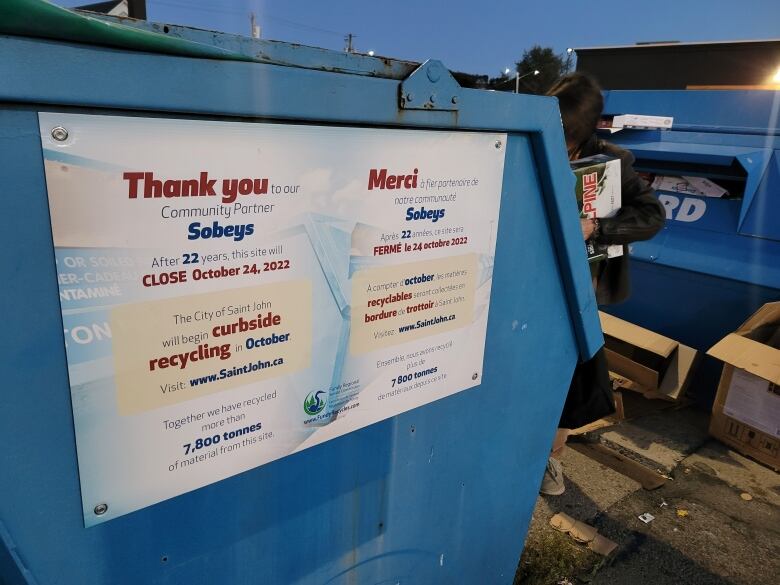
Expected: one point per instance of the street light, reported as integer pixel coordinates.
(569, 51)
(371, 53)
(518, 77)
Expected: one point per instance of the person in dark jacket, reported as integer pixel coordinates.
(640, 217)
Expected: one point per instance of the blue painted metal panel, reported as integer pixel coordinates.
(696, 153)
(760, 216)
(738, 112)
(756, 164)
(441, 494)
(12, 569)
(725, 137)
(692, 212)
(751, 261)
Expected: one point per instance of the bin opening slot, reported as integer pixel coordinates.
(737, 169)
(732, 178)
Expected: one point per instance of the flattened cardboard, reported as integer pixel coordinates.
(620, 411)
(562, 522)
(583, 533)
(602, 545)
(706, 187)
(649, 479)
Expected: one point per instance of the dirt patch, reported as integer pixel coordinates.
(551, 557)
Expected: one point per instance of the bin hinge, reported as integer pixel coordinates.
(430, 87)
(11, 566)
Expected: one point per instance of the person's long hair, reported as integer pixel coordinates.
(579, 97)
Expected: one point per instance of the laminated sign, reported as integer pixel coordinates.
(233, 293)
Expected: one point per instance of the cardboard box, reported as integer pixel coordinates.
(598, 190)
(615, 123)
(642, 121)
(646, 362)
(746, 413)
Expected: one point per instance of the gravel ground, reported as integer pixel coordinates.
(719, 536)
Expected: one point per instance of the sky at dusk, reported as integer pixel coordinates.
(475, 37)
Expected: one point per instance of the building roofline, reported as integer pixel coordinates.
(676, 44)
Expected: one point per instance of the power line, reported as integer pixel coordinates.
(303, 26)
(224, 10)
(284, 21)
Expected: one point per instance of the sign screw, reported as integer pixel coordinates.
(409, 97)
(59, 134)
(101, 509)
(454, 99)
(475, 376)
(433, 98)
(498, 145)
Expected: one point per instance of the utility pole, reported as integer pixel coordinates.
(348, 39)
(255, 27)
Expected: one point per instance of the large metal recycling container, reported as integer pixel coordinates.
(439, 494)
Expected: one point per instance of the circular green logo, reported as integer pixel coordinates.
(313, 403)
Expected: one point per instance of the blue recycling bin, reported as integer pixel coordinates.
(120, 469)
(718, 259)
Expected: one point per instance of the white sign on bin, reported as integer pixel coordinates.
(235, 292)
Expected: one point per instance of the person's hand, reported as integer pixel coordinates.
(587, 225)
